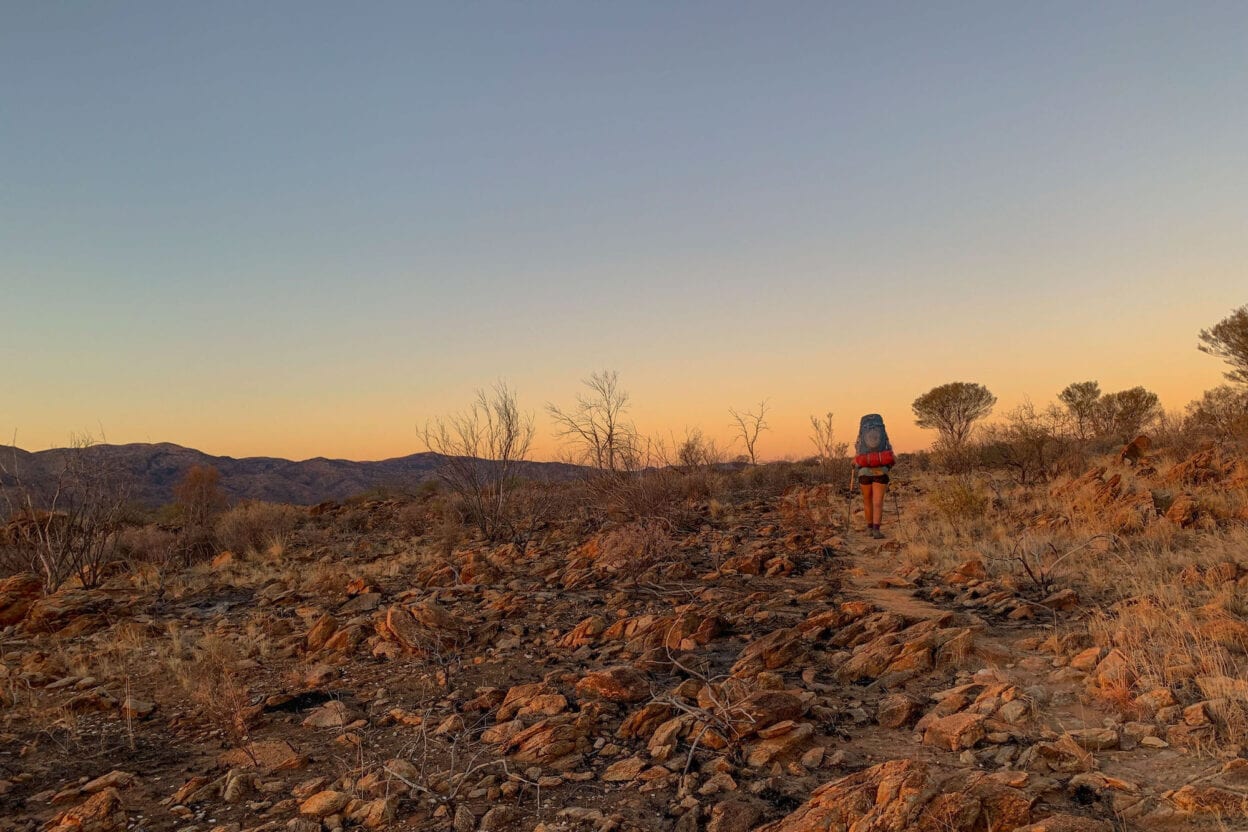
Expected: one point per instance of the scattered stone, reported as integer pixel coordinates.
(102, 812)
(324, 803)
(615, 684)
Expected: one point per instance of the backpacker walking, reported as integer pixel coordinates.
(872, 461)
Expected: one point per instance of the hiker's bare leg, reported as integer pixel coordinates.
(878, 489)
(866, 503)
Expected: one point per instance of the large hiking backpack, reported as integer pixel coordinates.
(873, 450)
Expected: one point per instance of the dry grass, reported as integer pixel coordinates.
(257, 527)
(1165, 587)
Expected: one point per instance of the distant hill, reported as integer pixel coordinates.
(154, 470)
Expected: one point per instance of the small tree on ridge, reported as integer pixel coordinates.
(953, 409)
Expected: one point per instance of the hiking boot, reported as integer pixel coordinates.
(877, 534)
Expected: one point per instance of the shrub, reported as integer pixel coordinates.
(959, 499)
(255, 526)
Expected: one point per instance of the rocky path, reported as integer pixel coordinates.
(1083, 757)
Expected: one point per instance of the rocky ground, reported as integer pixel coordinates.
(765, 667)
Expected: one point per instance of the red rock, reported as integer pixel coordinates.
(897, 710)
(956, 731)
(102, 812)
(1210, 800)
(733, 815)
(325, 803)
(904, 796)
(615, 684)
(17, 594)
(321, 632)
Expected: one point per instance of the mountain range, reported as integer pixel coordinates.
(152, 470)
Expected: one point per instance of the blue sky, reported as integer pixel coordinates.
(302, 228)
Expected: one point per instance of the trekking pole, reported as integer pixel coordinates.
(849, 499)
(896, 506)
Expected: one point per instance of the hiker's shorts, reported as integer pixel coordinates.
(882, 479)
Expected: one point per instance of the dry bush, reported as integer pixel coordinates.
(208, 673)
(255, 527)
(959, 499)
(68, 528)
(481, 452)
(147, 545)
(633, 548)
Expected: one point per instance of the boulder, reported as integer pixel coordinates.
(956, 732)
(615, 684)
(17, 594)
(324, 803)
(102, 812)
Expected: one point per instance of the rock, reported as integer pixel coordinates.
(1154, 700)
(762, 709)
(733, 815)
(134, 708)
(956, 731)
(1064, 599)
(1095, 739)
(624, 770)
(115, 779)
(465, 820)
(1184, 511)
(786, 746)
(321, 632)
(498, 818)
(530, 699)
(333, 714)
(324, 803)
(320, 675)
(553, 742)
(1134, 450)
(1087, 660)
(897, 710)
(238, 786)
(379, 813)
(102, 812)
(615, 684)
(1114, 671)
(1062, 755)
(17, 594)
(901, 796)
(1209, 800)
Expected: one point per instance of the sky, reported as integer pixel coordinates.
(304, 229)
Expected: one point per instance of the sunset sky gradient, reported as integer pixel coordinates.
(302, 229)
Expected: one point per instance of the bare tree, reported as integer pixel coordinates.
(69, 527)
(696, 451)
(749, 425)
(823, 437)
(596, 426)
(1029, 441)
(482, 450)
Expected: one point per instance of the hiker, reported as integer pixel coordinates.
(872, 461)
